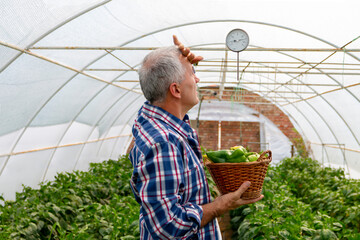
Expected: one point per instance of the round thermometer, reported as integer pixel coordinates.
(237, 40)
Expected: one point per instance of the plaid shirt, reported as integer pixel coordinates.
(169, 181)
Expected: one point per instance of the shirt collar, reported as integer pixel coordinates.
(181, 126)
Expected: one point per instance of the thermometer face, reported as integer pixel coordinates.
(237, 40)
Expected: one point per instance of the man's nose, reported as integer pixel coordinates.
(197, 79)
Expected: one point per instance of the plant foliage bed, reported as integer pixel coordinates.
(302, 201)
(97, 204)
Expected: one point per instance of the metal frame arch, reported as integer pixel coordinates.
(256, 22)
(122, 129)
(321, 117)
(111, 125)
(31, 44)
(321, 96)
(314, 109)
(34, 42)
(84, 107)
(94, 127)
(73, 120)
(47, 101)
(127, 122)
(70, 124)
(53, 29)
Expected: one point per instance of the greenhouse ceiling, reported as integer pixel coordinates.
(69, 87)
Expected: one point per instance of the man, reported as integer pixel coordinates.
(168, 180)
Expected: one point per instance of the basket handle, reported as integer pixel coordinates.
(262, 156)
(206, 161)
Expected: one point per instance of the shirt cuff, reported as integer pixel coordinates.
(195, 213)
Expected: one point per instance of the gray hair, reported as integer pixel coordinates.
(159, 70)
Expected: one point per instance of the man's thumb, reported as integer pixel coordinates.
(244, 186)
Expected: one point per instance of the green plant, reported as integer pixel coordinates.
(302, 200)
(326, 189)
(300, 145)
(97, 204)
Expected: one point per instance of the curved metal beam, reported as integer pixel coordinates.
(70, 124)
(127, 122)
(53, 29)
(44, 104)
(323, 98)
(104, 114)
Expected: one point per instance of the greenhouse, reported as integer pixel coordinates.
(70, 93)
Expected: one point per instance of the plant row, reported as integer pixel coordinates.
(97, 204)
(326, 189)
(297, 206)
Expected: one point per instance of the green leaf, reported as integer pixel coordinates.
(53, 218)
(307, 231)
(56, 208)
(105, 231)
(244, 226)
(327, 234)
(236, 220)
(285, 234)
(337, 226)
(30, 230)
(127, 237)
(40, 225)
(246, 211)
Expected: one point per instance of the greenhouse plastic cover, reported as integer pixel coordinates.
(69, 89)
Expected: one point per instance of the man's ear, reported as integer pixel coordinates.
(175, 90)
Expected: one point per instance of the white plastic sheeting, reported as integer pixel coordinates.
(62, 107)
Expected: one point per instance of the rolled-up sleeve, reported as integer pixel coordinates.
(162, 181)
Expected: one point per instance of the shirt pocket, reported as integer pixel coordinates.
(193, 183)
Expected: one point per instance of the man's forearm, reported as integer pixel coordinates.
(210, 211)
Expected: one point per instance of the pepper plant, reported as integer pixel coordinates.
(97, 204)
(302, 200)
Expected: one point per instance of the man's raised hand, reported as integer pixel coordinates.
(186, 52)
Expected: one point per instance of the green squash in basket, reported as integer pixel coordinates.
(242, 148)
(220, 156)
(253, 157)
(237, 155)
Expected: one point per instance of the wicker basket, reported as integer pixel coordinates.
(229, 176)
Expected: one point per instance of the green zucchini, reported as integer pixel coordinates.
(220, 156)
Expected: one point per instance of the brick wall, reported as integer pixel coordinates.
(208, 134)
(240, 133)
(259, 104)
(232, 134)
